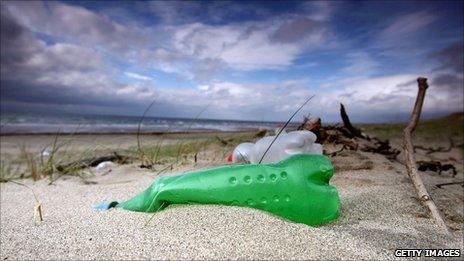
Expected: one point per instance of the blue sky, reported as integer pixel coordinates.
(244, 60)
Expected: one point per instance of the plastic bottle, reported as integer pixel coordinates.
(296, 189)
(242, 153)
(286, 145)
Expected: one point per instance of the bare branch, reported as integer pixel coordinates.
(411, 166)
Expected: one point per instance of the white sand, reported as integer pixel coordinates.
(379, 214)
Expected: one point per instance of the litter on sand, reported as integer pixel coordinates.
(296, 189)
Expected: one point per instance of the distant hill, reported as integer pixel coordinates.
(439, 128)
(457, 117)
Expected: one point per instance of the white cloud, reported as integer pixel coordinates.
(137, 92)
(360, 64)
(193, 50)
(75, 23)
(388, 95)
(248, 46)
(407, 24)
(138, 76)
(242, 100)
(258, 52)
(64, 56)
(405, 30)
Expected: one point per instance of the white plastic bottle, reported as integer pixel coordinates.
(286, 145)
(242, 153)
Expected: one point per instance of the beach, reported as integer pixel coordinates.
(253, 130)
(379, 213)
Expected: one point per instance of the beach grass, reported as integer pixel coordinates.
(188, 148)
(8, 170)
(60, 157)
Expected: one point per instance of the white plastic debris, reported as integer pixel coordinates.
(286, 145)
(45, 153)
(242, 152)
(104, 165)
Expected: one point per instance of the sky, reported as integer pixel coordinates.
(239, 60)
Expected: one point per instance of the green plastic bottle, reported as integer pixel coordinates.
(296, 189)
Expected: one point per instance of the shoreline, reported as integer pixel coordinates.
(155, 133)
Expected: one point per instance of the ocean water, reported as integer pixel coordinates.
(37, 123)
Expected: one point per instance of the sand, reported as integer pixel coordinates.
(379, 213)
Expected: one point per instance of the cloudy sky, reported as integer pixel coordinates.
(250, 61)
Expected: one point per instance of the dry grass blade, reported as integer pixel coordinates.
(30, 163)
(38, 213)
(158, 147)
(140, 124)
(285, 125)
(153, 215)
(48, 167)
(38, 206)
(188, 129)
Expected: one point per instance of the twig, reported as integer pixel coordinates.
(285, 125)
(411, 161)
(450, 183)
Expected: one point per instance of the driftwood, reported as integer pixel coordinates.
(381, 147)
(348, 136)
(302, 126)
(346, 121)
(91, 162)
(436, 166)
(345, 135)
(411, 165)
(314, 125)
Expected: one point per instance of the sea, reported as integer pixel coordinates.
(52, 123)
